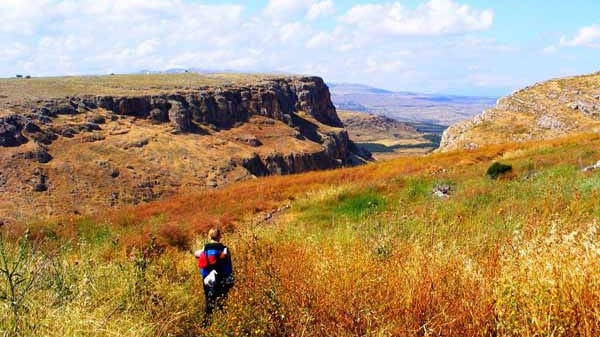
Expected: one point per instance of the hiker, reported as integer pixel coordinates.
(214, 261)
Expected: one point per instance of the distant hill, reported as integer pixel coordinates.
(387, 138)
(545, 110)
(408, 106)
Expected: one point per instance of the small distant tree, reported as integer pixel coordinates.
(19, 76)
(497, 169)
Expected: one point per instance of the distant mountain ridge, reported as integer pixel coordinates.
(408, 106)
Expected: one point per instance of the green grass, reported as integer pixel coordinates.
(341, 205)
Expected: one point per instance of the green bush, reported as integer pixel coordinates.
(497, 169)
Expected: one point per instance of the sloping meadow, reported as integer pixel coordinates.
(369, 251)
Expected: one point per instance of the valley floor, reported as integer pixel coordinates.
(365, 251)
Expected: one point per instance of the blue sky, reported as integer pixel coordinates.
(470, 47)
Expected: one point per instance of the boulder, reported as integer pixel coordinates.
(40, 180)
(180, 117)
(40, 155)
(442, 191)
(590, 168)
(11, 128)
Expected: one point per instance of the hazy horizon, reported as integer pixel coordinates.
(462, 47)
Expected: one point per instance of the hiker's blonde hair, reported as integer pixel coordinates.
(214, 234)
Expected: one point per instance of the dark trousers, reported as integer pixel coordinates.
(215, 297)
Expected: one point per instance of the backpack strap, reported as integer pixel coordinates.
(206, 258)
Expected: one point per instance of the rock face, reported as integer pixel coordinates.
(223, 107)
(12, 128)
(543, 111)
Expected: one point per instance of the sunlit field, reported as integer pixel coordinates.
(367, 251)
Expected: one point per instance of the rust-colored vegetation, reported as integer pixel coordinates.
(366, 251)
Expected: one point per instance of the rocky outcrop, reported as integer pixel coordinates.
(187, 110)
(12, 128)
(545, 110)
(223, 107)
(281, 164)
(17, 129)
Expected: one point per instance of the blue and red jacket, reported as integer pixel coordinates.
(214, 257)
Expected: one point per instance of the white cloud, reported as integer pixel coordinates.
(291, 31)
(319, 40)
(436, 17)
(368, 43)
(286, 8)
(320, 9)
(586, 37)
(311, 9)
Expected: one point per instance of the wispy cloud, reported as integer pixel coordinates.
(588, 36)
(436, 17)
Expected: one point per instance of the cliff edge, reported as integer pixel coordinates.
(74, 144)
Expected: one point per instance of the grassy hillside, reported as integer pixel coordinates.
(546, 110)
(362, 251)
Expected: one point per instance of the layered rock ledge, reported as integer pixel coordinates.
(220, 107)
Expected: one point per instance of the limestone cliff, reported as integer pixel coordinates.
(98, 149)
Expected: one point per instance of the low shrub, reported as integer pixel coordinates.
(497, 169)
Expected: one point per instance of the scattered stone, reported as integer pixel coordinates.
(114, 198)
(93, 138)
(442, 191)
(10, 130)
(31, 127)
(97, 119)
(119, 132)
(249, 140)
(114, 173)
(68, 132)
(591, 167)
(40, 181)
(549, 122)
(141, 143)
(40, 155)
(89, 127)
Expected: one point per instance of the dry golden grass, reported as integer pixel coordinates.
(16, 90)
(542, 111)
(367, 251)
